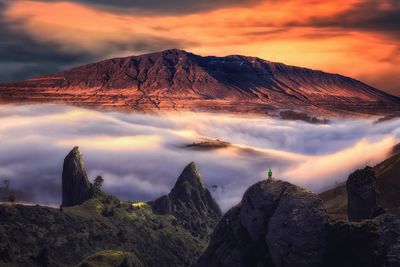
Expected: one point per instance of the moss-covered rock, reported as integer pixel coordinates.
(111, 258)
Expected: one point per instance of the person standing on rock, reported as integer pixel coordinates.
(269, 173)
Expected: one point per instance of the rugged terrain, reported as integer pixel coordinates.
(179, 80)
(280, 224)
(275, 224)
(92, 227)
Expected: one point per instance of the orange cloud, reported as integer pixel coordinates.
(263, 30)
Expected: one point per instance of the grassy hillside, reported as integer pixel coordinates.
(43, 236)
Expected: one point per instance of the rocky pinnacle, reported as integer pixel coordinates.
(190, 202)
(76, 187)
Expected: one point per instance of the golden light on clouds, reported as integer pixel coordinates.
(361, 154)
(124, 143)
(281, 31)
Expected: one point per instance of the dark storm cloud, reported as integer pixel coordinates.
(140, 156)
(368, 15)
(22, 56)
(169, 7)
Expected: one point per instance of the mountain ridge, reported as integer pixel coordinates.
(175, 80)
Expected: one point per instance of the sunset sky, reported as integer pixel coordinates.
(357, 38)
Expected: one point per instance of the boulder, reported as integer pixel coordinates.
(362, 195)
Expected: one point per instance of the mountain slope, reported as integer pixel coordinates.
(178, 80)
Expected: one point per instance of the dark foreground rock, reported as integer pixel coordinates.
(279, 224)
(191, 202)
(362, 195)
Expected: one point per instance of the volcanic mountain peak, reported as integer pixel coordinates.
(178, 80)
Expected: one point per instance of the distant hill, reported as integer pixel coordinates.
(179, 80)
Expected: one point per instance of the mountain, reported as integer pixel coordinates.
(179, 80)
(386, 182)
(92, 228)
(279, 224)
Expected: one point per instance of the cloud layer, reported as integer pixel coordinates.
(141, 156)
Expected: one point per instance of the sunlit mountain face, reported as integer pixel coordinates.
(140, 155)
(357, 38)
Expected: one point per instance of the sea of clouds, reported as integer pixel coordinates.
(141, 156)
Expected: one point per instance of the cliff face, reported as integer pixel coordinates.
(190, 202)
(279, 224)
(178, 80)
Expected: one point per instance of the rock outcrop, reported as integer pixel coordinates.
(362, 195)
(191, 203)
(279, 224)
(76, 187)
(387, 184)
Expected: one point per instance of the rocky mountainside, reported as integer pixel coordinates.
(381, 189)
(279, 224)
(95, 229)
(179, 80)
(191, 203)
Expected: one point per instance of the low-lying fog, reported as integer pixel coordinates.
(141, 156)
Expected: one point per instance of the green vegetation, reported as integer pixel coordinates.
(111, 258)
(72, 234)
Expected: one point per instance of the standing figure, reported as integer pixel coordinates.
(269, 173)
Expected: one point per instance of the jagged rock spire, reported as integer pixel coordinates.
(190, 202)
(191, 175)
(76, 187)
